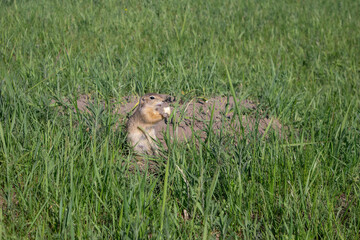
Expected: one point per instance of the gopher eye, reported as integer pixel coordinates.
(152, 97)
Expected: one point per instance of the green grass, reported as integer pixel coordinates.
(66, 176)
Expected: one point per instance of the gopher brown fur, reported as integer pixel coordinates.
(141, 125)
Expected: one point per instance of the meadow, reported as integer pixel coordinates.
(66, 176)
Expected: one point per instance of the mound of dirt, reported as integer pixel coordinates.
(197, 116)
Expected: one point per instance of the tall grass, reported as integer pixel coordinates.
(67, 175)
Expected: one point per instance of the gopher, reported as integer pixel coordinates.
(152, 108)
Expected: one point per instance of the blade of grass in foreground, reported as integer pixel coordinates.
(235, 101)
(164, 196)
(208, 200)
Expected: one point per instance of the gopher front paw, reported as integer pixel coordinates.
(164, 112)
